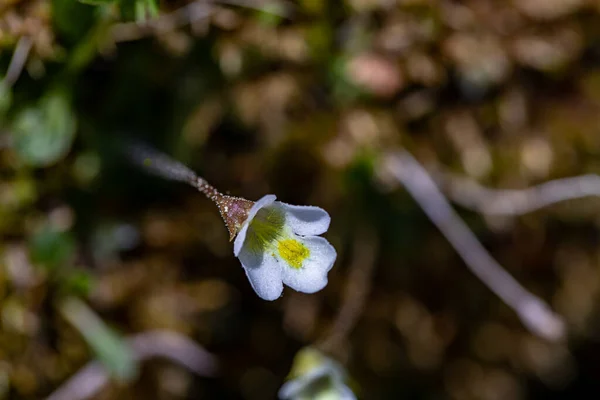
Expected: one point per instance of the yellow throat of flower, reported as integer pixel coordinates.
(293, 252)
(267, 230)
(268, 233)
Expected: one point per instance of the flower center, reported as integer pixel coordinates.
(293, 252)
(267, 227)
(268, 233)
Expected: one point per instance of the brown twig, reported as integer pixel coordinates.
(278, 8)
(535, 314)
(470, 194)
(90, 379)
(187, 15)
(18, 60)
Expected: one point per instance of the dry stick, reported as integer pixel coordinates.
(471, 194)
(18, 60)
(357, 288)
(186, 15)
(15, 68)
(263, 6)
(89, 380)
(535, 314)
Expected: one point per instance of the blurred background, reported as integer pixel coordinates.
(101, 261)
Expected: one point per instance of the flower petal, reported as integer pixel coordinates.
(241, 236)
(294, 388)
(263, 272)
(305, 220)
(345, 393)
(312, 276)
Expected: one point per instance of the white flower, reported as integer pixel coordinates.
(277, 244)
(316, 377)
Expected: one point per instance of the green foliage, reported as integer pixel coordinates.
(97, 2)
(88, 47)
(72, 19)
(51, 249)
(110, 348)
(5, 100)
(344, 90)
(112, 351)
(54, 251)
(43, 133)
(269, 14)
(145, 9)
(138, 10)
(78, 282)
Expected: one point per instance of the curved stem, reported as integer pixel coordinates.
(471, 194)
(535, 314)
(90, 379)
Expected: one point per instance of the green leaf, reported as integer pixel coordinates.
(110, 348)
(88, 47)
(345, 91)
(78, 282)
(138, 10)
(96, 2)
(269, 15)
(44, 133)
(51, 248)
(72, 19)
(5, 99)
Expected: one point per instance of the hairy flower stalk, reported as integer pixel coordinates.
(233, 210)
(276, 242)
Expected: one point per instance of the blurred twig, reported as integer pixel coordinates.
(468, 193)
(18, 60)
(188, 15)
(158, 163)
(89, 380)
(278, 8)
(535, 314)
(110, 348)
(356, 291)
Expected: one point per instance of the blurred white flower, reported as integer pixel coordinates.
(277, 244)
(316, 377)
